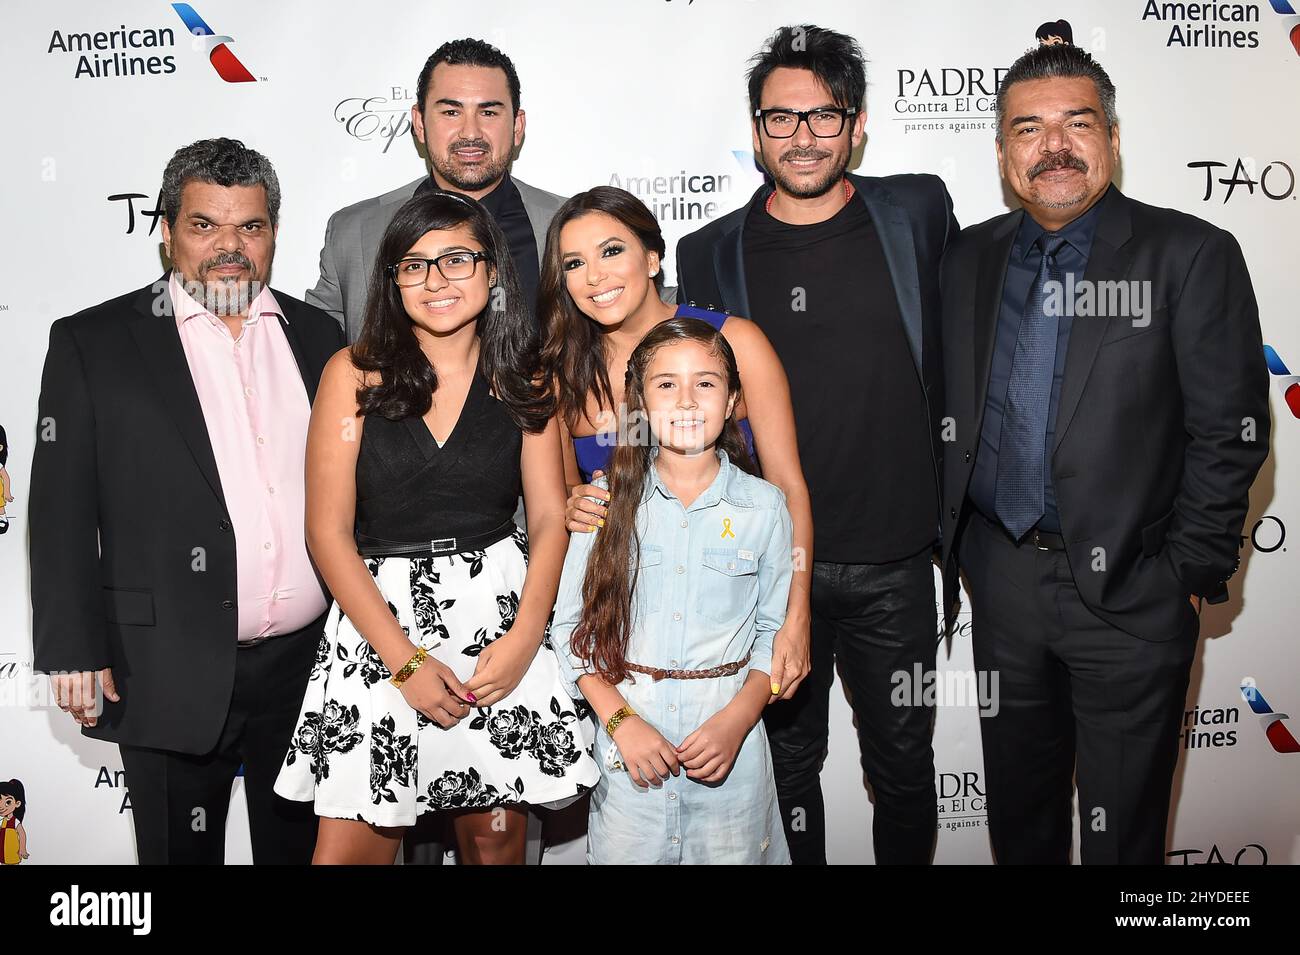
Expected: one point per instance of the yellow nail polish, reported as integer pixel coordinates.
(600, 522)
(776, 688)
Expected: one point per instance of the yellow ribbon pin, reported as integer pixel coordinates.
(726, 528)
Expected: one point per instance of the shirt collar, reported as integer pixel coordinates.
(186, 306)
(1079, 232)
(728, 483)
(493, 202)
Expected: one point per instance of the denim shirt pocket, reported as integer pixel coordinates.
(650, 579)
(728, 584)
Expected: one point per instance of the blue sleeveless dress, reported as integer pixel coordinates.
(593, 453)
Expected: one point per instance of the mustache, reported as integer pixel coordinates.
(228, 258)
(1061, 160)
(792, 154)
(470, 144)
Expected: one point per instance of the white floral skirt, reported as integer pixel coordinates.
(360, 751)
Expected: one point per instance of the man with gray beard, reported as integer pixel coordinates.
(174, 604)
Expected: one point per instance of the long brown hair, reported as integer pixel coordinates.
(508, 355)
(602, 635)
(573, 347)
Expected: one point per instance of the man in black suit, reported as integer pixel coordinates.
(1108, 404)
(841, 272)
(169, 565)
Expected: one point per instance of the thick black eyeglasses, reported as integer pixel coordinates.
(825, 122)
(452, 266)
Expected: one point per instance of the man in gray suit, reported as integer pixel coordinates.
(467, 115)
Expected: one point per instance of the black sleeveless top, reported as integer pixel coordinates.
(409, 489)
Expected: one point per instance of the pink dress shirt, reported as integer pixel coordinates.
(256, 411)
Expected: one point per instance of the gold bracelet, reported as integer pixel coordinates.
(619, 716)
(412, 665)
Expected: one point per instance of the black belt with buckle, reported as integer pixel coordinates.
(377, 547)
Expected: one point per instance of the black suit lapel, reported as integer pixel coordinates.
(894, 227)
(290, 326)
(729, 267)
(159, 342)
(990, 276)
(1108, 261)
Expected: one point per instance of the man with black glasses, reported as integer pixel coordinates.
(841, 273)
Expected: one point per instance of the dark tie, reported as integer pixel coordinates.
(1021, 451)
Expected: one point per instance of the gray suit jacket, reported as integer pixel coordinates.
(352, 240)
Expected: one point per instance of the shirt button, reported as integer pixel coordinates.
(677, 616)
(672, 795)
(967, 456)
(672, 707)
(686, 523)
(270, 490)
(248, 392)
(224, 525)
(672, 663)
(266, 546)
(227, 605)
(675, 840)
(952, 511)
(261, 440)
(681, 569)
(731, 565)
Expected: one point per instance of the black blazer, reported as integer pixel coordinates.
(1149, 463)
(913, 215)
(124, 490)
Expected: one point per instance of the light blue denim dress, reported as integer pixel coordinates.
(714, 582)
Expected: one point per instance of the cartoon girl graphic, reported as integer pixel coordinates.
(5, 496)
(13, 837)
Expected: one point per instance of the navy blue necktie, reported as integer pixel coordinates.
(1022, 448)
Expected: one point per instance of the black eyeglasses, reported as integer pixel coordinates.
(452, 266)
(825, 122)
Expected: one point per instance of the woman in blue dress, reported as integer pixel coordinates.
(599, 296)
(665, 619)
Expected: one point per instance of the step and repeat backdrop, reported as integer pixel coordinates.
(650, 95)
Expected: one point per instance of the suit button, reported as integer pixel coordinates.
(227, 605)
(224, 525)
(952, 512)
(966, 457)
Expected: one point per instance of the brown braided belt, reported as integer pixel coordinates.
(727, 669)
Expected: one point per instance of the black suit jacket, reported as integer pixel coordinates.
(124, 490)
(1150, 465)
(913, 216)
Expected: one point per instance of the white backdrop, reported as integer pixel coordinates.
(621, 93)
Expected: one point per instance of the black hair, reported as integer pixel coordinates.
(15, 788)
(834, 58)
(508, 353)
(1053, 61)
(468, 52)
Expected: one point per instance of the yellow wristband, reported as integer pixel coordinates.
(412, 665)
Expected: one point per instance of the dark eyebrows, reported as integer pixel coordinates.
(256, 220)
(489, 104)
(810, 109)
(1080, 111)
(601, 244)
(673, 374)
(443, 251)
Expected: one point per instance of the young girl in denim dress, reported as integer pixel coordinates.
(665, 618)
